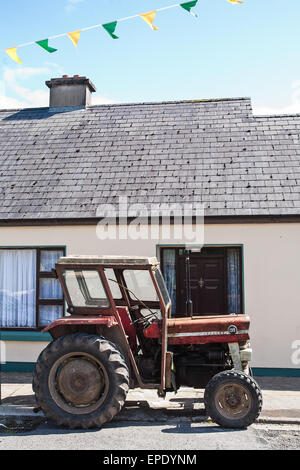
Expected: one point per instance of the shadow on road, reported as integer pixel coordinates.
(187, 428)
(175, 428)
(26, 400)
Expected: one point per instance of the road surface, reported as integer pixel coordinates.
(154, 436)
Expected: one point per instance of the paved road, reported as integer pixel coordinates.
(158, 436)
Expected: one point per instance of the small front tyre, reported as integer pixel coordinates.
(233, 399)
(81, 381)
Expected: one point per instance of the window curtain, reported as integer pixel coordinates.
(49, 258)
(50, 288)
(49, 313)
(18, 288)
(233, 280)
(169, 273)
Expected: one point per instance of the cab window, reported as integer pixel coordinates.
(85, 288)
(141, 284)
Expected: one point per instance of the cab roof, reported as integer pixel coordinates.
(109, 260)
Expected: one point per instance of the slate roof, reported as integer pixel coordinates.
(63, 165)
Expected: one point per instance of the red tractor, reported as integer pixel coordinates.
(119, 334)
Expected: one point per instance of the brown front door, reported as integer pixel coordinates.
(207, 285)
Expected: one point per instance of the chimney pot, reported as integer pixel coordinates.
(70, 92)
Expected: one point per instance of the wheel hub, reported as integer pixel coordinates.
(80, 382)
(233, 401)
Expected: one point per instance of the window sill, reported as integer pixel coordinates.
(25, 336)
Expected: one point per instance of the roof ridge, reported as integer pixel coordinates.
(193, 101)
(259, 116)
(138, 103)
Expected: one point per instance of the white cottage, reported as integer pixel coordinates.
(60, 164)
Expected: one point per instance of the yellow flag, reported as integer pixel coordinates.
(149, 18)
(235, 1)
(74, 36)
(12, 52)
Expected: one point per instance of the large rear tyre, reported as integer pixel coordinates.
(233, 399)
(81, 381)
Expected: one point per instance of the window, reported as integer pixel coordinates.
(141, 284)
(30, 296)
(169, 273)
(233, 280)
(85, 288)
(162, 286)
(113, 283)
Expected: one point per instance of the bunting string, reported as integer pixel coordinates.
(110, 28)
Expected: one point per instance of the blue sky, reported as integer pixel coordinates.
(251, 50)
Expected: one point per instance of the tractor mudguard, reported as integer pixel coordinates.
(120, 332)
(105, 326)
(62, 326)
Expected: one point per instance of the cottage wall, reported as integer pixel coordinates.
(271, 271)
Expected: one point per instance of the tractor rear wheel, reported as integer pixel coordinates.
(233, 399)
(81, 381)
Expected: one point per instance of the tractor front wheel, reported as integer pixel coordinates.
(81, 381)
(233, 399)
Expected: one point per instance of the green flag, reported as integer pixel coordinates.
(188, 5)
(110, 28)
(44, 45)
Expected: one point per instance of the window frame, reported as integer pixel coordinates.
(39, 275)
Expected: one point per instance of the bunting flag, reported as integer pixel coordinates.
(188, 5)
(12, 52)
(149, 18)
(235, 2)
(74, 36)
(110, 28)
(44, 44)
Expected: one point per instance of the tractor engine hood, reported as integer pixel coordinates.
(204, 329)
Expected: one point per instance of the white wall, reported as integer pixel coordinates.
(23, 351)
(271, 276)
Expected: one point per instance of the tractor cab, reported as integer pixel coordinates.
(97, 284)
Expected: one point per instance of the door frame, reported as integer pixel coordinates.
(160, 247)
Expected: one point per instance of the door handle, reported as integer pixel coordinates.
(201, 283)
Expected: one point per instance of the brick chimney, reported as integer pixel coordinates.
(70, 92)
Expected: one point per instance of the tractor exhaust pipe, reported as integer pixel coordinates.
(188, 303)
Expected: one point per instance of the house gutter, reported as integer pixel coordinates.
(238, 219)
